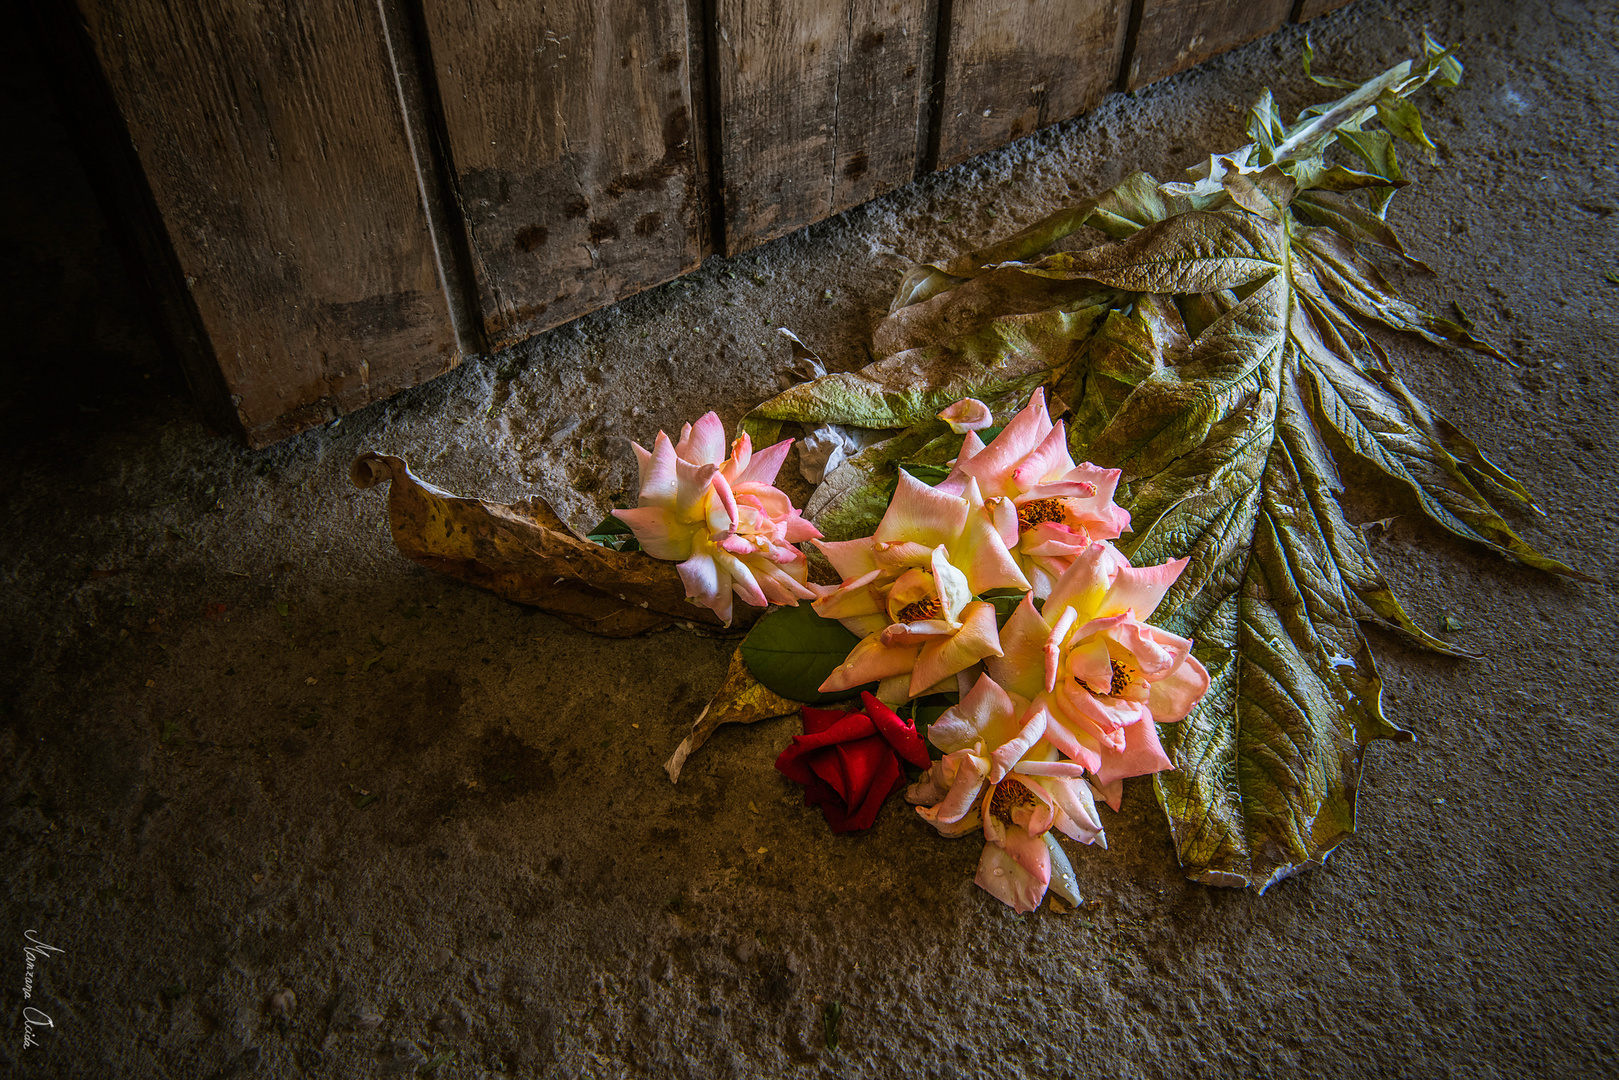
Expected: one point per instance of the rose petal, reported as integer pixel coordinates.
(660, 535)
(846, 728)
(1021, 666)
(1063, 881)
(1081, 746)
(954, 591)
(1000, 875)
(1175, 695)
(1085, 584)
(658, 482)
(899, 734)
(964, 790)
(850, 558)
(818, 720)
(763, 466)
(1140, 589)
(968, 414)
(703, 443)
(1142, 755)
(992, 467)
(1091, 664)
(963, 724)
(871, 661)
(919, 514)
(971, 823)
(976, 639)
(1010, 752)
(1078, 806)
(1048, 459)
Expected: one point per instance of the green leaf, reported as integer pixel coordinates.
(1448, 69)
(1008, 355)
(1323, 80)
(1006, 601)
(931, 475)
(1376, 149)
(1265, 127)
(831, 1020)
(1344, 217)
(1403, 120)
(614, 533)
(1225, 369)
(1194, 252)
(792, 650)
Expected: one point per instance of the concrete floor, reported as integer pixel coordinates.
(289, 805)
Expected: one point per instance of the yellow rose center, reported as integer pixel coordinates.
(1038, 512)
(1121, 678)
(927, 608)
(1008, 796)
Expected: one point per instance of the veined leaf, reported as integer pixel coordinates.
(1194, 252)
(1222, 365)
(1011, 354)
(792, 650)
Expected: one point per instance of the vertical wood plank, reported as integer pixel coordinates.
(1176, 34)
(820, 106)
(1309, 9)
(1014, 66)
(272, 141)
(571, 132)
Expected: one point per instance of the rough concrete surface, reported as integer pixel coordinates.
(289, 805)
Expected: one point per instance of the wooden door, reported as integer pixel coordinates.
(573, 147)
(819, 107)
(275, 148)
(1176, 34)
(1014, 66)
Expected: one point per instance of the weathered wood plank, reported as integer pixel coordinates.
(570, 129)
(820, 107)
(273, 143)
(1309, 9)
(1014, 66)
(1176, 34)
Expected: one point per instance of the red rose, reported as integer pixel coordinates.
(849, 762)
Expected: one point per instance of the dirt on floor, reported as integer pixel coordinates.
(286, 804)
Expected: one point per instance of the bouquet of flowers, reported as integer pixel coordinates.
(1007, 634)
(996, 588)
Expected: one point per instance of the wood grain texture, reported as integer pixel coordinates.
(1014, 66)
(1176, 34)
(272, 140)
(1309, 9)
(820, 104)
(571, 132)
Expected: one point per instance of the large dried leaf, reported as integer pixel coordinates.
(1227, 367)
(525, 553)
(1009, 354)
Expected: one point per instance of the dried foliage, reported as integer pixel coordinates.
(1215, 352)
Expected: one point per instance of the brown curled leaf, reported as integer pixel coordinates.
(524, 553)
(741, 699)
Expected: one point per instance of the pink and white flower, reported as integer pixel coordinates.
(908, 591)
(1106, 677)
(1001, 774)
(968, 414)
(721, 518)
(1046, 509)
